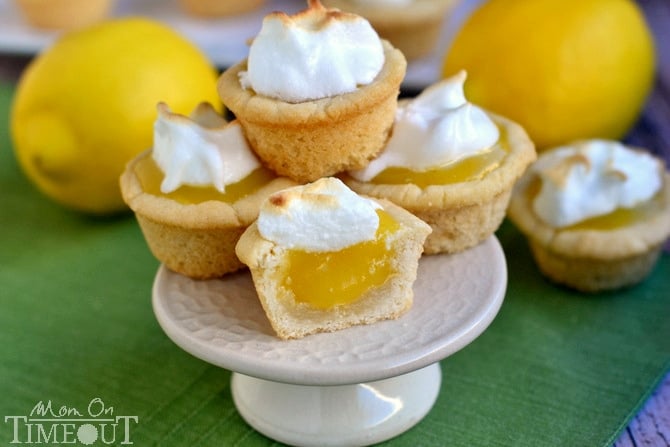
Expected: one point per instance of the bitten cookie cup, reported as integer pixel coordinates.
(309, 140)
(197, 240)
(594, 260)
(463, 214)
(290, 318)
(413, 28)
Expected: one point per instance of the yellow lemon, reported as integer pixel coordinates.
(86, 105)
(564, 69)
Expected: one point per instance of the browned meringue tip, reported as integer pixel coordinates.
(559, 173)
(315, 4)
(310, 193)
(204, 115)
(316, 14)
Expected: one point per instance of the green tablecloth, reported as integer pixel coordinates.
(76, 325)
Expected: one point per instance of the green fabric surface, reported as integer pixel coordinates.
(555, 368)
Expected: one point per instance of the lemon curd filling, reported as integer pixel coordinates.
(327, 279)
(151, 176)
(462, 170)
(619, 218)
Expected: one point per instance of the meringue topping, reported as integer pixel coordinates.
(592, 178)
(200, 150)
(316, 53)
(321, 216)
(436, 128)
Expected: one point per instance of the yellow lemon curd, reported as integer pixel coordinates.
(327, 279)
(151, 176)
(466, 169)
(619, 218)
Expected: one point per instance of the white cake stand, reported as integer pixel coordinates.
(359, 386)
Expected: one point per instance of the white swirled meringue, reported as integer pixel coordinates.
(313, 54)
(200, 150)
(321, 216)
(592, 178)
(437, 127)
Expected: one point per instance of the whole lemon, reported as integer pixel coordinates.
(86, 105)
(564, 69)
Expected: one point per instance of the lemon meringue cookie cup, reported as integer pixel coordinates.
(323, 258)
(450, 163)
(196, 191)
(317, 94)
(596, 213)
(412, 26)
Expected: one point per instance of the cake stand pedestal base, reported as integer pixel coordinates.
(340, 415)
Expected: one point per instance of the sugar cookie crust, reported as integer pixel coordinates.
(197, 240)
(312, 139)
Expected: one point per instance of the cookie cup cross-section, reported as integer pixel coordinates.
(197, 239)
(462, 214)
(312, 139)
(290, 319)
(594, 260)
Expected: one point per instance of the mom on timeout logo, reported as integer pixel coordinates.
(48, 424)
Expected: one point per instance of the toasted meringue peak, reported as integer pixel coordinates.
(316, 53)
(613, 171)
(204, 115)
(315, 17)
(202, 149)
(560, 172)
(321, 216)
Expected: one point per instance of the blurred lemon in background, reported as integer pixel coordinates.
(86, 106)
(564, 69)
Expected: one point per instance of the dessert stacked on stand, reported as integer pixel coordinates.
(377, 183)
(373, 184)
